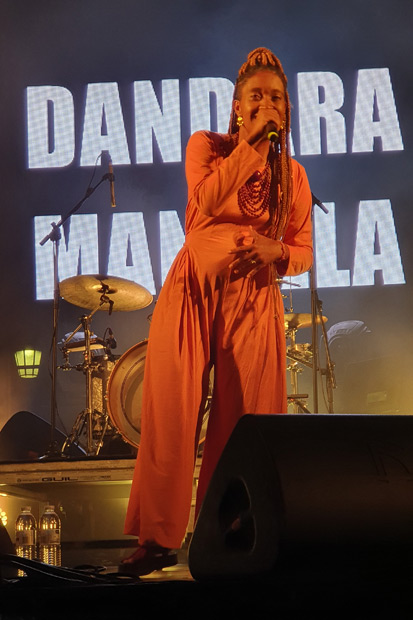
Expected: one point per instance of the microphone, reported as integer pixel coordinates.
(111, 341)
(111, 178)
(318, 202)
(272, 132)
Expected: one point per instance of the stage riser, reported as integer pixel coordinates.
(90, 496)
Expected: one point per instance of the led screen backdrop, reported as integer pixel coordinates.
(83, 81)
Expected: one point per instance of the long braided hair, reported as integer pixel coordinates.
(262, 59)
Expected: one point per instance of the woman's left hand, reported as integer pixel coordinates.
(253, 252)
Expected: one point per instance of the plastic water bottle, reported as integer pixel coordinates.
(49, 537)
(26, 529)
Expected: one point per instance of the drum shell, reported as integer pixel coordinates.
(124, 393)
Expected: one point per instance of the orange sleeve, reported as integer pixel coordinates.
(211, 178)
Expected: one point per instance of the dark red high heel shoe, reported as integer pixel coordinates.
(146, 559)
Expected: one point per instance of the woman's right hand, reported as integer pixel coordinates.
(259, 127)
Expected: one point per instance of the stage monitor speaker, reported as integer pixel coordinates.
(6, 545)
(291, 489)
(26, 437)
(6, 549)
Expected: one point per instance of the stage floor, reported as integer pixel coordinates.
(91, 495)
(173, 593)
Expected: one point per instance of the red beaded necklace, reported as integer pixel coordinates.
(254, 195)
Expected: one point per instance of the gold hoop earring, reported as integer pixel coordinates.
(240, 121)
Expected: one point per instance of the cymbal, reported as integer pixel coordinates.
(300, 320)
(120, 295)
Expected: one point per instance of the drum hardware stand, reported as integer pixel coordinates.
(55, 236)
(85, 418)
(296, 399)
(299, 403)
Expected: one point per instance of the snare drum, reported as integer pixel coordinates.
(77, 343)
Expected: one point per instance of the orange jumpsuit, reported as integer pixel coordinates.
(204, 317)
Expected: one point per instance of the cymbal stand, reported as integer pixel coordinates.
(85, 418)
(296, 399)
(54, 236)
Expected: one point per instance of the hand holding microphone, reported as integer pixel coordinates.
(270, 118)
(262, 127)
(272, 132)
(269, 129)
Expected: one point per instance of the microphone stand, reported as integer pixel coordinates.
(314, 312)
(328, 371)
(317, 315)
(54, 236)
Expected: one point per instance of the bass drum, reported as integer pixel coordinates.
(124, 395)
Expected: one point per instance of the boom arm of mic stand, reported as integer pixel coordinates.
(77, 206)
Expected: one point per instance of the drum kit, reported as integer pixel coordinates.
(93, 425)
(113, 388)
(120, 383)
(300, 354)
(113, 384)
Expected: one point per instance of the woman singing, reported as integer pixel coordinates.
(248, 222)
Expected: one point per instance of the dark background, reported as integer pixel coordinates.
(73, 43)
